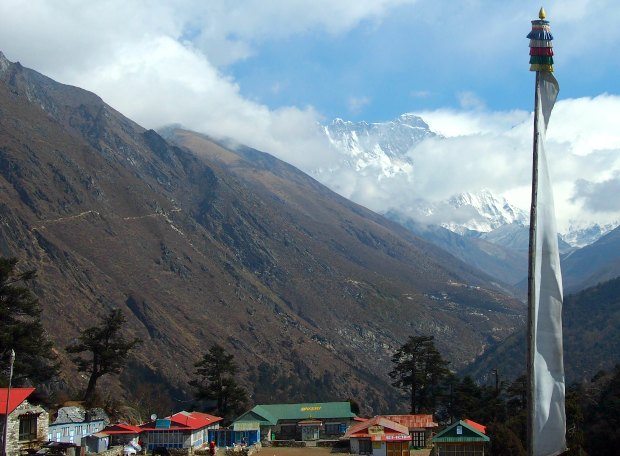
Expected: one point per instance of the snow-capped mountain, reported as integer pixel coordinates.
(383, 151)
(467, 213)
(375, 167)
(490, 212)
(380, 148)
(580, 235)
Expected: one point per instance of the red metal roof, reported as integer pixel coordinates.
(185, 421)
(18, 395)
(413, 421)
(477, 426)
(391, 430)
(122, 428)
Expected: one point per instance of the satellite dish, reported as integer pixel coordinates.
(153, 416)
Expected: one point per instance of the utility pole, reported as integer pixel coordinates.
(8, 397)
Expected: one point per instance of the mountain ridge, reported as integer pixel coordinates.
(219, 245)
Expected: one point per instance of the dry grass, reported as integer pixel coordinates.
(316, 451)
(309, 451)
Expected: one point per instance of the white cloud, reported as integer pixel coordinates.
(157, 62)
(357, 104)
(469, 100)
(420, 93)
(164, 62)
(599, 196)
(492, 150)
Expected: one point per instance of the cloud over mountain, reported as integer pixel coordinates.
(168, 62)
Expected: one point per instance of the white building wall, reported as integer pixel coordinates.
(381, 451)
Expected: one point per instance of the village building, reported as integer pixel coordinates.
(27, 423)
(304, 422)
(421, 428)
(463, 438)
(379, 436)
(97, 442)
(74, 423)
(181, 430)
(122, 434)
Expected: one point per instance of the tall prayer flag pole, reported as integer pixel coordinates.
(546, 417)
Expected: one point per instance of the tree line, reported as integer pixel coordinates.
(419, 371)
(592, 407)
(99, 350)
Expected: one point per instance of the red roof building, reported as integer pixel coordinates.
(122, 433)
(18, 395)
(421, 428)
(378, 435)
(122, 428)
(477, 426)
(413, 421)
(181, 430)
(28, 424)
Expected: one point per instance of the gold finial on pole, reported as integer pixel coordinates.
(541, 13)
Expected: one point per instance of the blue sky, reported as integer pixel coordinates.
(423, 56)
(266, 72)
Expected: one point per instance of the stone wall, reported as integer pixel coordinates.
(112, 451)
(14, 446)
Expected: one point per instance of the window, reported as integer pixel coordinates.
(28, 427)
(332, 428)
(418, 439)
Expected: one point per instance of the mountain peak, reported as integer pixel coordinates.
(489, 212)
(413, 120)
(5, 63)
(378, 149)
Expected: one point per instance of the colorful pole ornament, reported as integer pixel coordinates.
(541, 49)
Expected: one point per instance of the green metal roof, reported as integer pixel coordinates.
(258, 414)
(469, 434)
(272, 413)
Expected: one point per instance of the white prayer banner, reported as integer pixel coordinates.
(549, 418)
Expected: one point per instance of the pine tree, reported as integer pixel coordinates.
(108, 350)
(216, 382)
(420, 371)
(21, 329)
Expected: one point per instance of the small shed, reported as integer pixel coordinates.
(96, 443)
(463, 438)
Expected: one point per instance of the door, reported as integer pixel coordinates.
(310, 433)
(398, 449)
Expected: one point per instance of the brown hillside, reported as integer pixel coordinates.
(201, 244)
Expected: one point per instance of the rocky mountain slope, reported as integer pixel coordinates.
(592, 264)
(198, 243)
(591, 320)
(506, 265)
